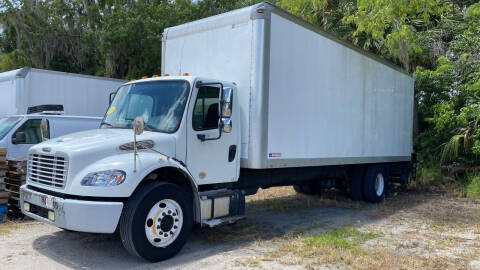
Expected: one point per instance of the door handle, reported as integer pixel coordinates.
(232, 151)
(201, 137)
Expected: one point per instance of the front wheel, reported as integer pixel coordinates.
(156, 221)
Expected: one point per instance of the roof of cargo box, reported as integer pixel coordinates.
(247, 13)
(22, 73)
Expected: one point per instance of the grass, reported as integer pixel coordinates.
(351, 248)
(473, 187)
(340, 246)
(431, 178)
(340, 238)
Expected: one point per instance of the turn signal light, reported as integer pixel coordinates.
(155, 76)
(186, 74)
(260, 11)
(144, 77)
(166, 74)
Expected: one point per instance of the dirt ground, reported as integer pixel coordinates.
(282, 230)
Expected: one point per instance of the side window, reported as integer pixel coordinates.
(206, 110)
(31, 129)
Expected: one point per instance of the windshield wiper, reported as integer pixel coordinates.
(106, 124)
(149, 127)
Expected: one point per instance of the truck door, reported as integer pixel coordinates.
(212, 157)
(27, 135)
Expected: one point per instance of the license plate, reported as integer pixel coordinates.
(49, 202)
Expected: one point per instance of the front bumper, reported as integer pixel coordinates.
(71, 214)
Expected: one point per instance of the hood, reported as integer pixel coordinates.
(104, 142)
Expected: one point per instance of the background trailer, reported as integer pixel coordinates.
(79, 94)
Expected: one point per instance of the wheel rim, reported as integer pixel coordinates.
(164, 223)
(379, 184)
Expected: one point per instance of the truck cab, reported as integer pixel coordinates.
(118, 178)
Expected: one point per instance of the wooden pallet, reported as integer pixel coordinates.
(3, 197)
(3, 170)
(15, 177)
(2, 183)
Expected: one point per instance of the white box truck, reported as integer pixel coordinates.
(269, 101)
(20, 132)
(81, 95)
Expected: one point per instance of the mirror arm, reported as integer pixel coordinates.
(203, 138)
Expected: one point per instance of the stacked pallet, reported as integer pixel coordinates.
(3, 168)
(16, 176)
(3, 193)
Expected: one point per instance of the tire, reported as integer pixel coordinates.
(136, 221)
(375, 183)
(306, 188)
(356, 185)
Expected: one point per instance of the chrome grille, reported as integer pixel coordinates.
(47, 170)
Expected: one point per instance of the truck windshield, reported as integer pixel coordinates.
(6, 124)
(160, 103)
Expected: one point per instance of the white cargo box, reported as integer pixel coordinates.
(306, 97)
(80, 95)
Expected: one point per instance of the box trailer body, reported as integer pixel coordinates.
(81, 95)
(249, 99)
(306, 98)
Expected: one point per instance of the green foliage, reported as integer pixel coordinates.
(473, 187)
(327, 14)
(393, 25)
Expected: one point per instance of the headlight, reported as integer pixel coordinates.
(104, 178)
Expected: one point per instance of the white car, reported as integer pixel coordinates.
(20, 132)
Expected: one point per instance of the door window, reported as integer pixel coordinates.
(31, 128)
(206, 110)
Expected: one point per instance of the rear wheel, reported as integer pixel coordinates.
(156, 221)
(375, 183)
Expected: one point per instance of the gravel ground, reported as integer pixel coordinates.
(413, 231)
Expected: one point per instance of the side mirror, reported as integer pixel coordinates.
(44, 125)
(43, 128)
(227, 98)
(19, 138)
(138, 125)
(226, 125)
(112, 96)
